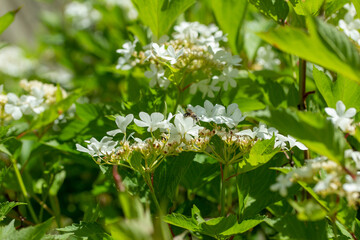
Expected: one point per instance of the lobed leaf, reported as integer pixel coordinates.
(159, 15)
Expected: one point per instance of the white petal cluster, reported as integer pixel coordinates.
(127, 6)
(14, 63)
(266, 58)
(326, 177)
(82, 14)
(124, 62)
(341, 117)
(231, 116)
(194, 48)
(96, 148)
(262, 132)
(350, 24)
(40, 96)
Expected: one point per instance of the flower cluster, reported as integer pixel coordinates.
(341, 117)
(82, 14)
(40, 96)
(350, 24)
(326, 177)
(193, 56)
(14, 63)
(266, 58)
(178, 133)
(127, 6)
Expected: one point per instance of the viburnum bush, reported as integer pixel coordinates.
(183, 119)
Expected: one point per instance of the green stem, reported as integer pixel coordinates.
(222, 190)
(152, 191)
(23, 190)
(54, 201)
(333, 223)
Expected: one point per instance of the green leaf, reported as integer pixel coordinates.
(5, 208)
(254, 185)
(51, 114)
(58, 181)
(324, 45)
(276, 9)
(85, 230)
(200, 172)
(312, 129)
(224, 12)
(259, 154)
(357, 6)
(30, 233)
(159, 15)
(216, 227)
(7, 19)
(171, 172)
(342, 89)
(291, 228)
(324, 84)
(309, 7)
(308, 210)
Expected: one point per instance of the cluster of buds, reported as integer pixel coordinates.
(40, 96)
(177, 133)
(194, 54)
(327, 177)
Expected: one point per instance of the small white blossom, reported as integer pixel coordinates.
(122, 123)
(96, 148)
(228, 76)
(126, 52)
(83, 15)
(184, 128)
(153, 121)
(283, 182)
(266, 58)
(157, 76)
(341, 117)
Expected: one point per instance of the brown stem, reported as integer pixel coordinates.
(117, 179)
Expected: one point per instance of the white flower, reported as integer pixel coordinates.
(324, 184)
(186, 30)
(82, 14)
(172, 55)
(293, 143)
(340, 117)
(354, 155)
(159, 51)
(153, 122)
(122, 123)
(127, 6)
(282, 184)
(13, 106)
(14, 63)
(280, 141)
(228, 76)
(266, 57)
(127, 51)
(168, 54)
(350, 25)
(96, 148)
(31, 104)
(246, 132)
(157, 76)
(210, 89)
(351, 185)
(206, 86)
(184, 128)
(227, 58)
(233, 115)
